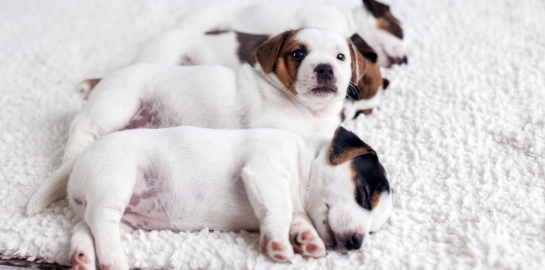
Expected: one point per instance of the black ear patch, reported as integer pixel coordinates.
(347, 145)
(366, 51)
(370, 179)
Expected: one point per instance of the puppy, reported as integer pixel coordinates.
(299, 85)
(372, 20)
(232, 49)
(189, 178)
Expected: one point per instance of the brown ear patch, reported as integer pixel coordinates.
(370, 79)
(385, 20)
(247, 44)
(92, 83)
(274, 55)
(346, 146)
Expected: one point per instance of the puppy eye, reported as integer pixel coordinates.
(340, 56)
(298, 54)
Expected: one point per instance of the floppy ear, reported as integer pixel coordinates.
(366, 51)
(267, 53)
(358, 63)
(346, 146)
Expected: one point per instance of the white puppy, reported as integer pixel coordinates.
(189, 178)
(232, 49)
(371, 20)
(298, 86)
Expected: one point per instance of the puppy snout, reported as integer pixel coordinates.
(354, 241)
(324, 71)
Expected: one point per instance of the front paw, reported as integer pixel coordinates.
(307, 243)
(276, 248)
(392, 51)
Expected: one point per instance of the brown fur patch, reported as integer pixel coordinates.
(248, 43)
(274, 55)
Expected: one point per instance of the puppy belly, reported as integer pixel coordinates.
(159, 202)
(147, 208)
(151, 114)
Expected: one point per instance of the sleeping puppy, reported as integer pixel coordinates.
(265, 179)
(298, 85)
(372, 20)
(232, 49)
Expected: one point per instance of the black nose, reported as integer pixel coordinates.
(354, 242)
(325, 71)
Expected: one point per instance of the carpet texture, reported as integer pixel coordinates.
(461, 132)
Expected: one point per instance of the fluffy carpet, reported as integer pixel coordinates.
(461, 133)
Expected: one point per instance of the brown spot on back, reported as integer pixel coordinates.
(247, 44)
(274, 55)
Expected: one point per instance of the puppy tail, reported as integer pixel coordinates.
(53, 189)
(84, 88)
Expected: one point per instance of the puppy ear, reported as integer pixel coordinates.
(346, 146)
(366, 51)
(358, 63)
(267, 53)
(385, 83)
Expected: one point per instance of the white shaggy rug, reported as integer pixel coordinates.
(461, 133)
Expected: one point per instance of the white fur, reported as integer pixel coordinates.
(225, 180)
(274, 17)
(212, 97)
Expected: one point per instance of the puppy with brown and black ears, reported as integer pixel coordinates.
(298, 85)
(304, 193)
(233, 49)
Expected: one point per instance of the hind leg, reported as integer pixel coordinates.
(105, 225)
(82, 248)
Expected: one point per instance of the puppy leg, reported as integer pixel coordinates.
(271, 202)
(105, 225)
(82, 248)
(304, 237)
(392, 49)
(103, 116)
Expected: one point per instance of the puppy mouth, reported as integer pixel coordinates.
(323, 91)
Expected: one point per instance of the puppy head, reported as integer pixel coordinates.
(367, 85)
(313, 65)
(352, 197)
(385, 20)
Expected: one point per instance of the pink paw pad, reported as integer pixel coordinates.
(77, 260)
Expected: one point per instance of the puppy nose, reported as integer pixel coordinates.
(325, 71)
(354, 242)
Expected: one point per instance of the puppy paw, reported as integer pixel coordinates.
(276, 248)
(81, 261)
(307, 243)
(392, 50)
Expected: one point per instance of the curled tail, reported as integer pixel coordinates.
(53, 189)
(84, 88)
